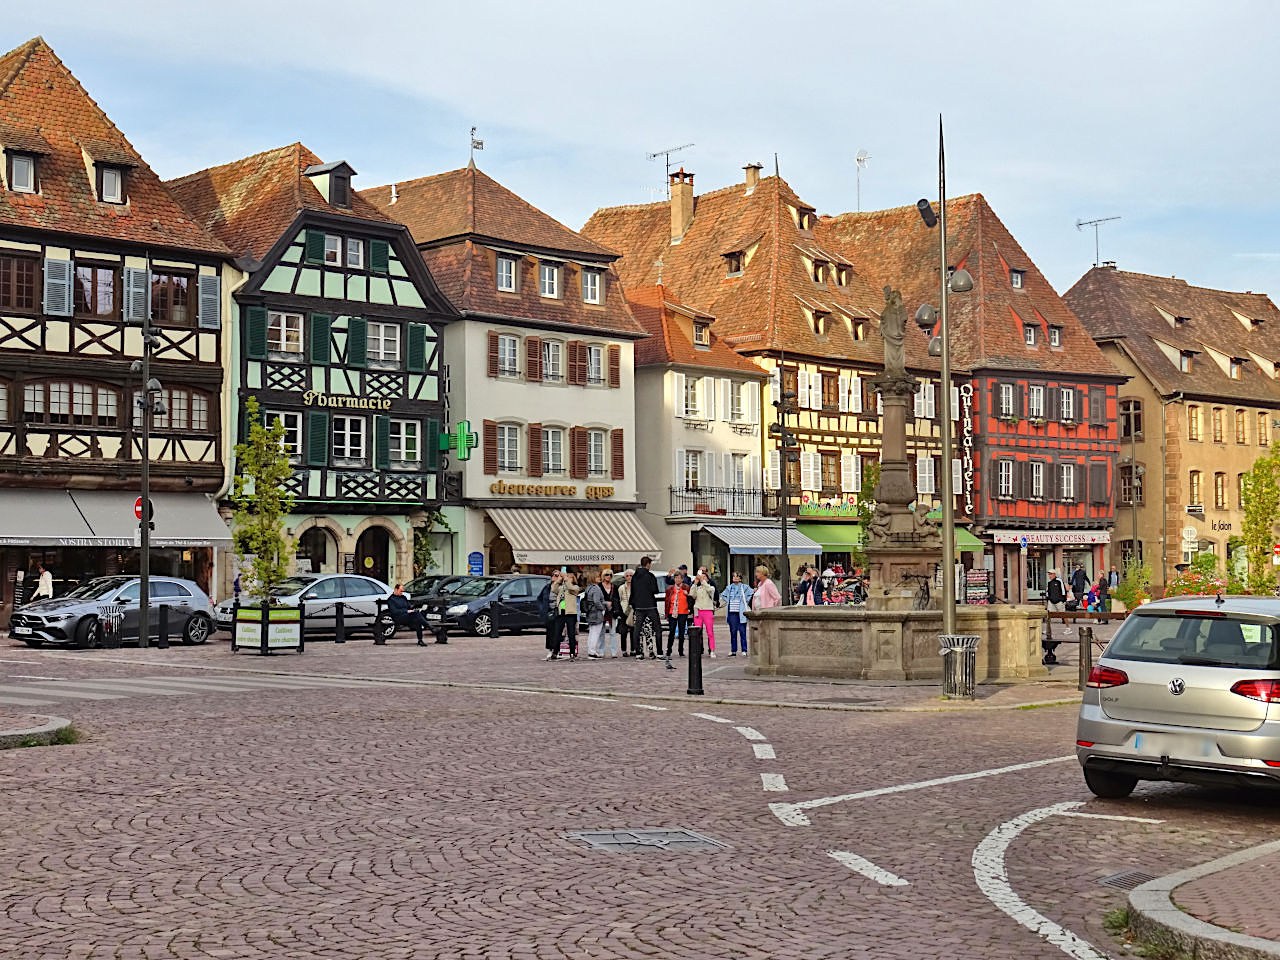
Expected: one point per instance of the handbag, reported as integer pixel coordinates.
(1073, 605)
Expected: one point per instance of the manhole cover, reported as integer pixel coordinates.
(629, 841)
(843, 700)
(1129, 880)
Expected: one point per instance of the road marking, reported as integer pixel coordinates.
(58, 691)
(867, 869)
(647, 706)
(993, 880)
(792, 814)
(26, 662)
(23, 676)
(579, 696)
(764, 751)
(712, 718)
(773, 782)
(750, 733)
(24, 702)
(1106, 816)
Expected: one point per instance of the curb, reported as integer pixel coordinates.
(40, 736)
(1154, 917)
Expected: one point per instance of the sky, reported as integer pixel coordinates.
(1160, 113)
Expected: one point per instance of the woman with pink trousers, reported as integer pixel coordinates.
(703, 595)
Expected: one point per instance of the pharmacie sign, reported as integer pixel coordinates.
(313, 398)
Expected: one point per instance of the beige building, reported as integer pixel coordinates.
(1202, 403)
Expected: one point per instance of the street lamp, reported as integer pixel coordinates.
(149, 404)
(787, 453)
(940, 346)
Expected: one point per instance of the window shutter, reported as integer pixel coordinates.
(774, 480)
(857, 473)
(846, 472)
(379, 256)
(382, 443)
(58, 275)
(533, 359)
(319, 346)
(752, 481)
(617, 452)
(807, 479)
(576, 351)
(313, 241)
(210, 302)
(615, 366)
(1020, 480)
(775, 385)
(815, 391)
(1098, 492)
(957, 477)
(493, 353)
(1080, 482)
(1097, 406)
(842, 393)
(137, 296)
(879, 404)
(431, 444)
(357, 342)
(726, 400)
(707, 398)
(416, 351)
(752, 404)
(918, 411)
(318, 440)
(802, 389)
(855, 394)
(677, 384)
(955, 403)
(490, 443)
(1052, 405)
(255, 333)
(535, 449)
(677, 479)
(1078, 411)
(1020, 401)
(578, 453)
(931, 400)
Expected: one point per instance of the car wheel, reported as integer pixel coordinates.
(88, 633)
(197, 630)
(483, 626)
(1109, 786)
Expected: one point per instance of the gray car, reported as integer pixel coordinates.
(74, 621)
(1188, 690)
(319, 595)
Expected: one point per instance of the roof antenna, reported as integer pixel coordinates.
(775, 166)
(1081, 224)
(861, 160)
(658, 263)
(667, 153)
(475, 145)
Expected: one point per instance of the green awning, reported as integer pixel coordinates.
(834, 537)
(966, 542)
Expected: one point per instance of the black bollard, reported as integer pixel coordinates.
(163, 643)
(265, 624)
(695, 662)
(235, 623)
(340, 623)
(442, 633)
(379, 637)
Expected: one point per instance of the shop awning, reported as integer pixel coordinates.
(834, 537)
(966, 542)
(578, 537)
(46, 518)
(766, 541)
(181, 519)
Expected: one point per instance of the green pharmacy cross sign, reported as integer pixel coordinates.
(462, 441)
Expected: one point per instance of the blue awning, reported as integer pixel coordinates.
(766, 541)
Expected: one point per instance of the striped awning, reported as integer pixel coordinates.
(575, 537)
(766, 541)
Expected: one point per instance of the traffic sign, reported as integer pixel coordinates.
(1276, 549)
(1022, 542)
(137, 509)
(1189, 533)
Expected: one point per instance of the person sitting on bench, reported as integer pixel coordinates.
(404, 615)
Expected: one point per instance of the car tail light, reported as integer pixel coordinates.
(1268, 691)
(1084, 743)
(1272, 763)
(1107, 677)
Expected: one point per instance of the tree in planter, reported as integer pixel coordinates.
(261, 502)
(1260, 498)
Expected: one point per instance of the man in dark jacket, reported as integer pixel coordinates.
(1079, 584)
(644, 601)
(404, 614)
(1056, 598)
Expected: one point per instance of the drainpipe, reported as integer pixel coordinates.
(1164, 488)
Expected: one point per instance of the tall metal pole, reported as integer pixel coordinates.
(144, 543)
(782, 459)
(1133, 482)
(948, 495)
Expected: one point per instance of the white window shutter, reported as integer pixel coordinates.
(955, 403)
(753, 401)
(210, 302)
(918, 412)
(842, 393)
(678, 479)
(855, 394)
(753, 478)
(709, 467)
(775, 385)
(924, 475)
(58, 278)
(677, 381)
(774, 480)
(879, 405)
(815, 391)
(957, 476)
(729, 479)
(806, 471)
(707, 398)
(930, 400)
(726, 403)
(846, 472)
(856, 486)
(802, 389)
(137, 294)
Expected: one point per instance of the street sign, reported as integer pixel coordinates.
(475, 563)
(1189, 533)
(1022, 542)
(137, 509)
(1276, 549)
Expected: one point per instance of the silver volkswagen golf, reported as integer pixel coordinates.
(1187, 690)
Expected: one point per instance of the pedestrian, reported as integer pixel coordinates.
(1079, 583)
(1104, 596)
(644, 607)
(1091, 598)
(1056, 602)
(766, 594)
(703, 595)
(677, 606)
(235, 588)
(567, 613)
(623, 616)
(404, 614)
(592, 607)
(711, 580)
(1113, 578)
(609, 637)
(809, 592)
(737, 601)
(547, 610)
(44, 589)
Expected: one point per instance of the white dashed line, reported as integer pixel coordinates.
(647, 706)
(1106, 816)
(764, 751)
(773, 782)
(868, 869)
(579, 696)
(750, 733)
(712, 718)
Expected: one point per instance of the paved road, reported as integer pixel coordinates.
(400, 820)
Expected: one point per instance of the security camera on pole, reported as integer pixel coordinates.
(149, 404)
(787, 444)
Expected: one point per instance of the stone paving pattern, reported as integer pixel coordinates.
(1242, 898)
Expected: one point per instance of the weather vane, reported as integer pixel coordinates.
(475, 144)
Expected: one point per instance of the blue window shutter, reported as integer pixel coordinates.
(431, 444)
(137, 295)
(318, 441)
(382, 443)
(255, 333)
(58, 277)
(416, 354)
(379, 256)
(357, 342)
(320, 324)
(314, 244)
(210, 302)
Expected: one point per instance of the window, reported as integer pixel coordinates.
(859, 329)
(184, 410)
(1220, 491)
(738, 471)
(737, 409)
(22, 173)
(1184, 362)
(18, 283)
(340, 190)
(1015, 278)
(1035, 401)
(1130, 419)
(1067, 481)
(1037, 479)
(842, 276)
(284, 332)
(333, 250)
(819, 271)
(64, 403)
(1193, 423)
(355, 254)
(1235, 367)
(1029, 334)
(508, 361)
(820, 322)
(733, 264)
(552, 451)
(552, 361)
(405, 447)
(1067, 399)
(171, 298)
(692, 469)
(1004, 484)
(1130, 485)
(692, 408)
(1126, 551)
(1264, 430)
(1242, 427)
(595, 453)
(291, 442)
(1006, 399)
(348, 441)
(1195, 499)
(383, 343)
(508, 448)
(702, 334)
(590, 286)
(110, 184)
(595, 365)
(4, 402)
(549, 279)
(1055, 336)
(507, 274)
(95, 292)
(925, 482)
(1217, 424)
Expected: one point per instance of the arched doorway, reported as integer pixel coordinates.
(501, 558)
(372, 553)
(317, 552)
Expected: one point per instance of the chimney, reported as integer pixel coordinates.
(681, 203)
(1108, 264)
(753, 175)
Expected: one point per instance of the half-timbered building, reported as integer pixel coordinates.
(338, 336)
(93, 249)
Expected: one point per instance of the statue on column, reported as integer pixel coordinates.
(893, 328)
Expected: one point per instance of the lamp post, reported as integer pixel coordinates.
(148, 403)
(786, 444)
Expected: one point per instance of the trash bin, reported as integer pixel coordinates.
(959, 665)
(111, 616)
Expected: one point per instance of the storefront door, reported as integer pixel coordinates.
(372, 553)
(1037, 575)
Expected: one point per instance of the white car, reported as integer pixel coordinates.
(319, 596)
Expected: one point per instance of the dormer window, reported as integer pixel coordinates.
(110, 184)
(1181, 321)
(820, 322)
(1184, 362)
(340, 190)
(1236, 366)
(590, 286)
(733, 261)
(333, 180)
(842, 276)
(805, 217)
(22, 172)
(507, 274)
(702, 334)
(819, 271)
(1029, 334)
(1016, 278)
(1055, 336)
(859, 329)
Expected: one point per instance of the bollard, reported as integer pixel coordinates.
(695, 662)
(379, 637)
(1086, 655)
(442, 634)
(265, 624)
(235, 623)
(339, 623)
(163, 643)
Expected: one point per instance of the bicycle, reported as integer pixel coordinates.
(922, 591)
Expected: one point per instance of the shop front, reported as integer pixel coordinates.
(540, 539)
(1023, 559)
(726, 549)
(373, 546)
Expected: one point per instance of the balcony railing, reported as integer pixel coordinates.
(723, 502)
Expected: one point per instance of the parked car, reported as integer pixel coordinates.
(420, 588)
(478, 604)
(73, 620)
(1186, 691)
(319, 594)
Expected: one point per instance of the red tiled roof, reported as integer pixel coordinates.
(1118, 304)
(249, 203)
(41, 100)
(668, 342)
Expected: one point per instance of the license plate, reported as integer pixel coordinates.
(433, 616)
(21, 631)
(1173, 745)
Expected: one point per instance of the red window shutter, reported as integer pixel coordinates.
(615, 442)
(533, 359)
(577, 351)
(490, 446)
(615, 366)
(535, 449)
(578, 453)
(493, 356)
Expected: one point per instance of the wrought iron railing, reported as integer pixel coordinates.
(723, 502)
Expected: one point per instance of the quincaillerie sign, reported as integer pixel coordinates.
(313, 398)
(966, 445)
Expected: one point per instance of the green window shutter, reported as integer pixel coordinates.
(431, 444)
(379, 256)
(357, 342)
(317, 439)
(382, 443)
(320, 323)
(416, 354)
(255, 333)
(246, 422)
(314, 243)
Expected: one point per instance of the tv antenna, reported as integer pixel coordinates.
(861, 160)
(1081, 224)
(667, 154)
